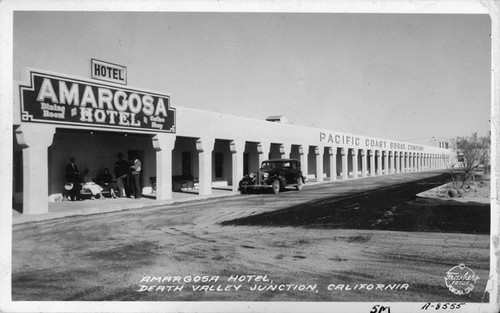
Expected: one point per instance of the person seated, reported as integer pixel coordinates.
(95, 189)
(105, 180)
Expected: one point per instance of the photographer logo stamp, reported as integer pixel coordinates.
(460, 279)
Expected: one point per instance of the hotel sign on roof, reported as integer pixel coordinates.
(62, 100)
(106, 71)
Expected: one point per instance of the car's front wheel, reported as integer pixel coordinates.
(299, 184)
(276, 186)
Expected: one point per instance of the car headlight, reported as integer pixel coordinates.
(265, 175)
(252, 175)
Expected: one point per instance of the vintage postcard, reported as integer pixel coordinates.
(249, 156)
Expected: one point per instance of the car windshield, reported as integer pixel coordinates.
(266, 165)
(271, 165)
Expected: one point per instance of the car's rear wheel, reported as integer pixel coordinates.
(299, 184)
(276, 186)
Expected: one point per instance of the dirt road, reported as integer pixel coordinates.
(184, 253)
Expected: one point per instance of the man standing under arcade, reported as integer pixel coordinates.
(136, 175)
(73, 180)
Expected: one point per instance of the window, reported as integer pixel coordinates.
(245, 164)
(186, 163)
(17, 171)
(219, 165)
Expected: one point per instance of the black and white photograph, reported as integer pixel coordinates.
(249, 156)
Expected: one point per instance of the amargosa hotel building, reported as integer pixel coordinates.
(58, 116)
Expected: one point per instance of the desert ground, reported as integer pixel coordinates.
(357, 240)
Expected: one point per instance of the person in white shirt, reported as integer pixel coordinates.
(88, 183)
(136, 175)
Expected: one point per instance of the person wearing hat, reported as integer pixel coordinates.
(121, 172)
(73, 180)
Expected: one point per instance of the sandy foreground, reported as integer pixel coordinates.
(183, 254)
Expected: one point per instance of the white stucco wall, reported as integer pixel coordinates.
(216, 132)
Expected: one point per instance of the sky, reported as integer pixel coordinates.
(408, 77)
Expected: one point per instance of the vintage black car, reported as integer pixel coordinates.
(275, 174)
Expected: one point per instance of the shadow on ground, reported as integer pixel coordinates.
(389, 208)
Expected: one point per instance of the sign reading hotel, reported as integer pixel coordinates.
(63, 100)
(106, 71)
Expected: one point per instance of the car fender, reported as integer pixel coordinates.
(247, 180)
(279, 177)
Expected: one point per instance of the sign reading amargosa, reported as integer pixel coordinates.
(63, 100)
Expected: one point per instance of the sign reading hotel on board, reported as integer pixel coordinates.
(106, 71)
(62, 100)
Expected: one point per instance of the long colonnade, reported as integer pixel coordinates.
(319, 166)
(210, 146)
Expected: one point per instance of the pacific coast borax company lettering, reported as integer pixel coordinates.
(331, 138)
(63, 100)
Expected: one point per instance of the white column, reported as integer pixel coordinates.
(408, 165)
(379, 162)
(390, 156)
(386, 162)
(412, 164)
(364, 169)
(345, 169)
(205, 146)
(355, 163)
(372, 162)
(319, 163)
(303, 152)
(35, 140)
(263, 149)
(332, 151)
(404, 162)
(285, 150)
(397, 156)
(400, 162)
(237, 148)
(163, 144)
